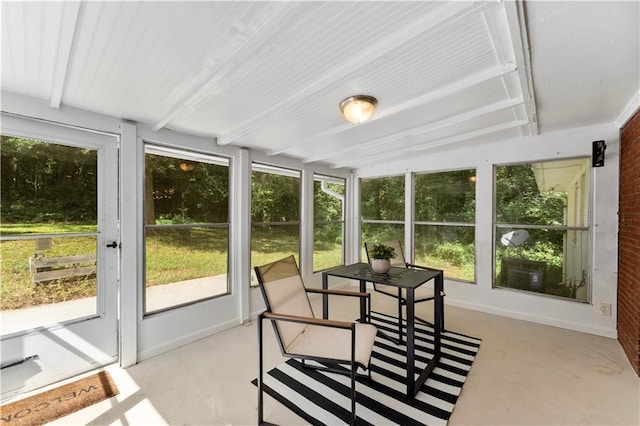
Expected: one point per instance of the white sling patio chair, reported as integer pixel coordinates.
(303, 336)
(422, 293)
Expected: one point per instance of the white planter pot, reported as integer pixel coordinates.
(380, 266)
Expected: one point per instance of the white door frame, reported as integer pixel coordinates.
(81, 344)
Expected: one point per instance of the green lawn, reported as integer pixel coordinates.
(172, 255)
(465, 272)
(17, 290)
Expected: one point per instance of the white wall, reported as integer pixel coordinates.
(604, 204)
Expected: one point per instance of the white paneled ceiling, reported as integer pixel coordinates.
(270, 75)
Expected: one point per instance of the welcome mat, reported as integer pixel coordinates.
(323, 398)
(55, 403)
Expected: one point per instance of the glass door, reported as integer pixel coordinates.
(59, 252)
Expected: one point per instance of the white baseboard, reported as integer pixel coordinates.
(186, 339)
(569, 325)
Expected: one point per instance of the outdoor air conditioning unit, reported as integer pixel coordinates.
(523, 274)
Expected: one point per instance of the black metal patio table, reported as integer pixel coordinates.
(408, 279)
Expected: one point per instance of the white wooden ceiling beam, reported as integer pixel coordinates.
(68, 25)
(470, 135)
(392, 153)
(447, 122)
(445, 14)
(520, 41)
(200, 89)
(436, 95)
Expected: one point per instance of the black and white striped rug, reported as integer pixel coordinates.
(323, 398)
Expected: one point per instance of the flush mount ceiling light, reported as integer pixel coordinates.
(359, 108)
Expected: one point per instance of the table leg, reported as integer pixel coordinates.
(411, 383)
(438, 314)
(325, 297)
(413, 387)
(363, 302)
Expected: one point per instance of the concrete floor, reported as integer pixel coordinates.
(524, 374)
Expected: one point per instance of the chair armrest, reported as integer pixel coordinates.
(426, 268)
(337, 292)
(307, 320)
(364, 297)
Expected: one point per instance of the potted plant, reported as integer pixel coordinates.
(380, 258)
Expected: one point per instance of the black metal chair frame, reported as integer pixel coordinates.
(274, 317)
(401, 300)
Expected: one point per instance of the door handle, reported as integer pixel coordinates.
(113, 245)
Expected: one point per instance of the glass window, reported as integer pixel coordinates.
(445, 214)
(48, 230)
(186, 227)
(275, 215)
(328, 231)
(542, 228)
(382, 209)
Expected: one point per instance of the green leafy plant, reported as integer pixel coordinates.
(381, 251)
(456, 254)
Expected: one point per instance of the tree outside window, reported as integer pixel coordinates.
(382, 209)
(328, 213)
(186, 227)
(444, 226)
(275, 215)
(542, 228)
(48, 208)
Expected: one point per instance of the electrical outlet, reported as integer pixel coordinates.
(605, 309)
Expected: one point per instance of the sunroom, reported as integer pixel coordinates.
(154, 153)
